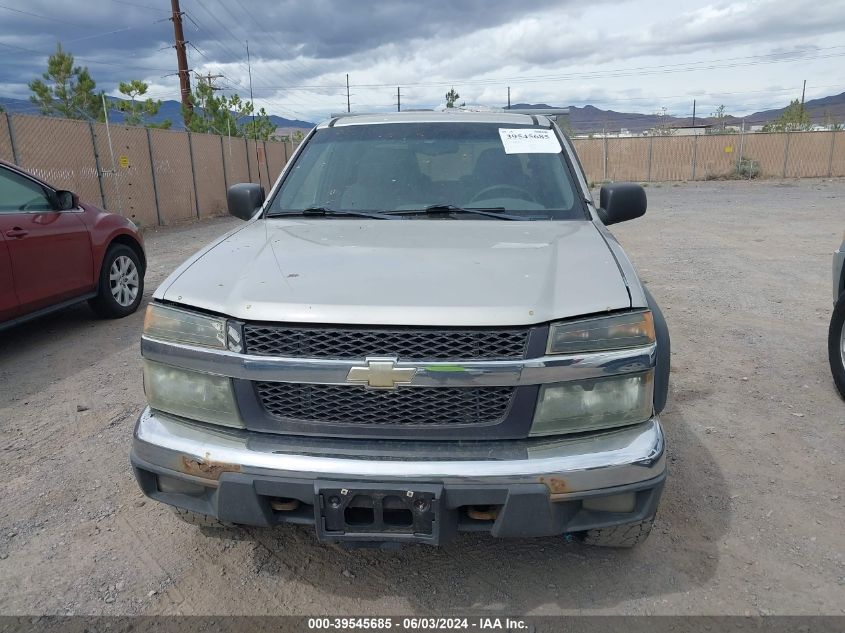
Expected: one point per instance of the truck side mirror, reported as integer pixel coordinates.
(621, 201)
(244, 199)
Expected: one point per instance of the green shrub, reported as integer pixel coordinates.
(747, 168)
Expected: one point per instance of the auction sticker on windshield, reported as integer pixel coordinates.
(529, 141)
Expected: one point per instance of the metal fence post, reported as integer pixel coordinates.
(12, 139)
(741, 147)
(225, 175)
(194, 175)
(267, 166)
(694, 153)
(650, 154)
(830, 158)
(785, 153)
(153, 174)
(605, 156)
(248, 168)
(96, 164)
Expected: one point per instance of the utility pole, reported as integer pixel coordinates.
(509, 97)
(348, 103)
(251, 102)
(693, 112)
(182, 59)
(803, 91)
(207, 80)
(398, 100)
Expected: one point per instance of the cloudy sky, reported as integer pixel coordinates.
(636, 56)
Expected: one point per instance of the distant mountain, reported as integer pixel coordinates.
(819, 110)
(18, 106)
(583, 119)
(591, 119)
(169, 110)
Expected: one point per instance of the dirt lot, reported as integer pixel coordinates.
(751, 520)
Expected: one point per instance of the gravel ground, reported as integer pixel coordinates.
(750, 523)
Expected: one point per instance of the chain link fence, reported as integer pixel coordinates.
(159, 177)
(713, 156)
(154, 177)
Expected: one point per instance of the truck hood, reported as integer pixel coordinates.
(411, 272)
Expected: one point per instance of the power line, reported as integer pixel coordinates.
(87, 59)
(234, 56)
(38, 15)
(270, 38)
(192, 45)
(229, 31)
(65, 22)
(140, 6)
(772, 58)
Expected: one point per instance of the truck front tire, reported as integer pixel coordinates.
(835, 342)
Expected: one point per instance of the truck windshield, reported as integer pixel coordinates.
(400, 167)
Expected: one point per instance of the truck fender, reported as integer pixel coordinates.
(661, 370)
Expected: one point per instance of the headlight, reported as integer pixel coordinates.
(166, 323)
(618, 331)
(191, 394)
(597, 403)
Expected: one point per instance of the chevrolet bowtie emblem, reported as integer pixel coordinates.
(381, 373)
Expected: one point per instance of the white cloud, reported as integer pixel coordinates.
(558, 53)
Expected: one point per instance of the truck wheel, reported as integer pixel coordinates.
(201, 520)
(620, 535)
(836, 345)
(121, 283)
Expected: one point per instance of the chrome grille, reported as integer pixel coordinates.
(421, 406)
(404, 343)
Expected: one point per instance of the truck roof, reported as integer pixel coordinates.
(423, 116)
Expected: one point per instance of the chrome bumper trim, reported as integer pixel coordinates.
(566, 465)
(530, 371)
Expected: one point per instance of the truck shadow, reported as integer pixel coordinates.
(477, 573)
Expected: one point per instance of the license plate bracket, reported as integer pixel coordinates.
(376, 512)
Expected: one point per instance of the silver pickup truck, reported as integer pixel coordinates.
(424, 328)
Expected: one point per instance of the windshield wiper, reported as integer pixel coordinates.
(318, 211)
(436, 209)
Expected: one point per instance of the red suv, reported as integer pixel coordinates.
(56, 251)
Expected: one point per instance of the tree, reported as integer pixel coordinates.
(720, 118)
(227, 115)
(451, 98)
(219, 115)
(793, 119)
(66, 90)
(260, 128)
(664, 124)
(136, 112)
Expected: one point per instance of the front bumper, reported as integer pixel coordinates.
(535, 487)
